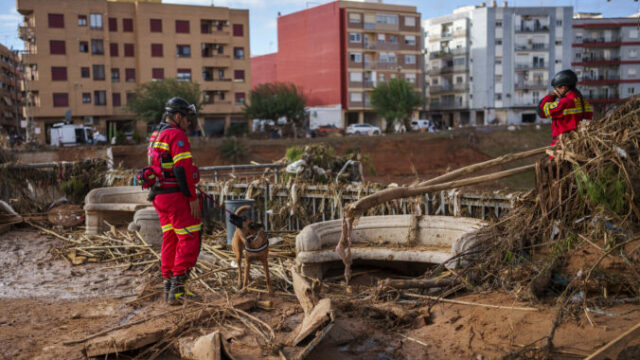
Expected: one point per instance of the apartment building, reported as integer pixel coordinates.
(606, 58)
(340, 51)
(89, 56)
(493, 64)
(11, 98)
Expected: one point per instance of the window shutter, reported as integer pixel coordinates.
(156, 50)
(155, 25)
(128, 50)
(58, 73)
(127, 25)
(115, 99)
(56, 21)
(182, 26)
(57, 47)
(113, 49)
(238, 74)
(113, 24)
(238, 30)
(157, 73)
(60, 99)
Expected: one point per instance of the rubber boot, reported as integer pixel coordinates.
(178, 291)
(167, 289)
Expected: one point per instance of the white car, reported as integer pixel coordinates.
(364, 129)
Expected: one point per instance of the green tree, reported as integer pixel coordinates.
(148, 102)
(395, 100)
(272, 101)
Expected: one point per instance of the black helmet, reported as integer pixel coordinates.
(565, 77)
(178, 104)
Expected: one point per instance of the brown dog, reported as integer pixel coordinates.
(250, 240)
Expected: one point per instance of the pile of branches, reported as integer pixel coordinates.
(319, 164)
(574, 236)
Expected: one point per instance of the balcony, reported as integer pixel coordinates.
(599, 80)
(27, 33)
(603, 98)
(530, 85)
(533, 47)
(446, 105)
(382, 46)
(369, 84)
(534, 66)
(532, 29)
(448, 70)
(595, 60)
(447, 53)
(437, 89)
(599, 42)
(377, 65)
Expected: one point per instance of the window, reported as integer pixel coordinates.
(238, 53)
(113, 24)
(96, 21)
(499, 23)
(356, 97)
(459, 79)
(60, 99)
(113, 50)
(355, 77)
(127, 25)
(155, 25)
(240, 98)
(409, 21)
(238, 30)
(97, 47)
(631, 90)
(84, 72)
(98, 72)
(381, 38)
(498, 96)
(58, 73)
(631, 71)
(558, 22)
(558, 42)
(411, 78)
(238, 75)
(84, 46)
(130, 75)
(156, 50)
(459, 61)
(409, 59)
(115, 75)
(558, 61)
(115, 99)
(128, 50)
(184, 75)
(157, 73)
(381, 77)
(182, 26)
(130, 95)
(387, 19)
(410, 40)
(86, 98)
(184, 51)
(633, 33)
(633, 53)
(100, 97)
(355, 37)
(82, 20)
(388, 57)
(498, 61)
(56, 21)
(57, 47)
(498, 41)
(498, 79)
(355, 57)
(355, 18)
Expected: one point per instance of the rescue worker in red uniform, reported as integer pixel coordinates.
(565, 105)
(174, 198)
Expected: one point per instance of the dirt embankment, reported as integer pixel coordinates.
(396, 158)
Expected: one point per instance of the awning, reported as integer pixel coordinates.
(7, 100)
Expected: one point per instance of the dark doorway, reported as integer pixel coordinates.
(529, 118)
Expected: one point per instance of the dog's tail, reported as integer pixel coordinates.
(242, 209)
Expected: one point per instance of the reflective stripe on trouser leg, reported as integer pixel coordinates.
(169, 238)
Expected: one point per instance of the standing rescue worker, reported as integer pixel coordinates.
(174, 198)
(565, 105)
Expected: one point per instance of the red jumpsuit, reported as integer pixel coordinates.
(170, 149)
(565, 113)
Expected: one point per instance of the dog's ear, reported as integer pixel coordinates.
(237, 221)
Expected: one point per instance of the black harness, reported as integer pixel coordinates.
(250, 239)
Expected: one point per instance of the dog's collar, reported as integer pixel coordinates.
(261, 248)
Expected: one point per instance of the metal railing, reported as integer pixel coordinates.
(247, 172)
(282, 207)
(531, 85)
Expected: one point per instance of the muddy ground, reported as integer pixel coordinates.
(45, 301)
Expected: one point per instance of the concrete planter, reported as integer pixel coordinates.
(384, 238)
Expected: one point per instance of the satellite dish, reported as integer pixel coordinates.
(67, 116)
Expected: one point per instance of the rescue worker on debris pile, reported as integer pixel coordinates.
(175, 198)
(565, 105)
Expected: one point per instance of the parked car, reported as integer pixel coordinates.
(364, 129)
(422, 124)
(326, 130)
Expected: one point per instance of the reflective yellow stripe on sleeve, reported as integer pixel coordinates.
(161, 145)
(550, 106)
(182, 156)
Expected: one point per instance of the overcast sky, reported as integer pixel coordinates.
(263, 14)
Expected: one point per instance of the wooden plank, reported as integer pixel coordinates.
(153, 330)
(616, 345)
(321, 314)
